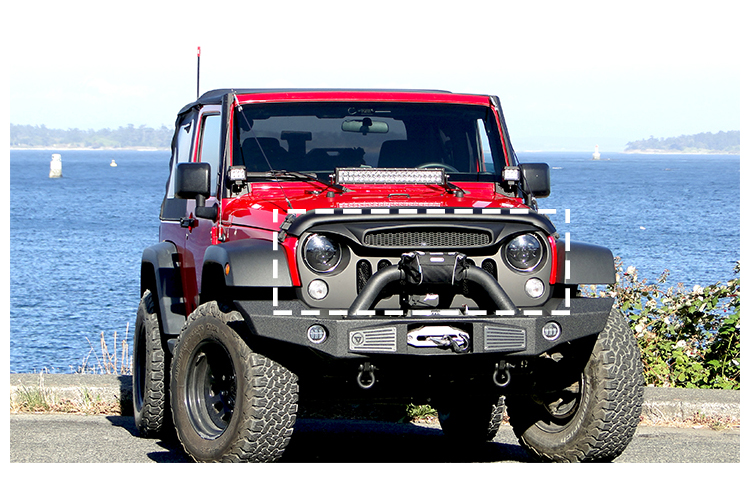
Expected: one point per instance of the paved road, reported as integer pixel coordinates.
(87, 439)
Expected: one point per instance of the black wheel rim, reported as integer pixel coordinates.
(211, 389)
(561, 407)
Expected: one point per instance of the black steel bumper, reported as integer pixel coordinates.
(516, 332)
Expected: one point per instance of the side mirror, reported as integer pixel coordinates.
(193, 180)
(535, 180)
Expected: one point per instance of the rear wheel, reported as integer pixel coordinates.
(229, 403)
(595, 416)
(150, 372)
(471, 420)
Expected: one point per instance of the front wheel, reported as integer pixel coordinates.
(594, 418)
(229, 403)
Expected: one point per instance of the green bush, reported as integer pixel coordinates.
(688, 337)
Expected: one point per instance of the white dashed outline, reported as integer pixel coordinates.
(418, 313)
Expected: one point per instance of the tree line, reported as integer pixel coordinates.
(31, 136)
(727, 142)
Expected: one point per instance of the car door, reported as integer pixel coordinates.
(197, 232)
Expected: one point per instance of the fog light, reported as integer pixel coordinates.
(551, 331)
(535, 288)
(317, 289)
(317, 334)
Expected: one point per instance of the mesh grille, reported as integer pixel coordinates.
(383, 264)
(364, 272)
(427, 239)
(490, 266)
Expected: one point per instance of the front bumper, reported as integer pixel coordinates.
(383, 333)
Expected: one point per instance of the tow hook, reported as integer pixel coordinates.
(501, 376)
(366, 375)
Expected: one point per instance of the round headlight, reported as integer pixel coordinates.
(321, 254)
(524, 252)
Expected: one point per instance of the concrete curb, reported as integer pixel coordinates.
(660, 404)
(671, 403)
(75, 387)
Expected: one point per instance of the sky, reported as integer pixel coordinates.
(570, 75)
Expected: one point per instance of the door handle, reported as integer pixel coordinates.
(188, 222)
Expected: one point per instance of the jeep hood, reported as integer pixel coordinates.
(294, 197)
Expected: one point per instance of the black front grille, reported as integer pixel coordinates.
(451, 239)
(364, 272)
(490, 266)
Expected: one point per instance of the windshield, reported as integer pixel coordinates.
(316, 138)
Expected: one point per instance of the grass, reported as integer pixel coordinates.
(106, 362)
(420, 413)
(39, 399)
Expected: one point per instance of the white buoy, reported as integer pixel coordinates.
(55, 166)
(596, 153)
(113, 164)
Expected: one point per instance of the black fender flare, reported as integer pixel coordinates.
(252, 263)
(586, 264)
(160, 273)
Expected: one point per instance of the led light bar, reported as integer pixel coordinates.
(237, 174)
(512, 174)
(390, 176)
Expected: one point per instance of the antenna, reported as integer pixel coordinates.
(198, 78)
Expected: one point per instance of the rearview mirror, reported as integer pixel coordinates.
(364, 126)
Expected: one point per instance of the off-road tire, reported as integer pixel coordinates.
(150, 373)
(471, 420)
(603, 415)
(229, 404)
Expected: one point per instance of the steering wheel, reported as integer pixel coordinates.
(438, 165)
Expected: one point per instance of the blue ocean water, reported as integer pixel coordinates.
(76, 241)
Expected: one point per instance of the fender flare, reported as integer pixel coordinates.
(586, 264)
(160, 273)
(252, 263)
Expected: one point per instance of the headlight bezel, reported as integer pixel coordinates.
(320, 267)
(515, 262)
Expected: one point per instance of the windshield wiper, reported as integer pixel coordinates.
(275, 174)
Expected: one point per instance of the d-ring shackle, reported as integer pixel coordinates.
(504, 376)
(366, 375)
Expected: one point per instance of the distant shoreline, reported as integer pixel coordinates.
(68, 148)
(671, 152)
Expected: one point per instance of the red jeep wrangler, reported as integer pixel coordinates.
(376, 245)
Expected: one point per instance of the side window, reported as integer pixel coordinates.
(210, 145)
(484, 143)
(182, 152)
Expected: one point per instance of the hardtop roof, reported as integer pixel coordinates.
(216, 96)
